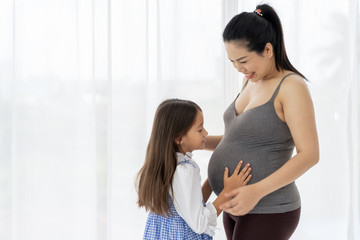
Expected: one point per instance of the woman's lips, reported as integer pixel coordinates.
(249, 76)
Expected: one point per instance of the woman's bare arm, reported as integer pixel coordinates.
(212, 142)
(206, 190)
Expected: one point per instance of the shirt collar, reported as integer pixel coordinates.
(182, 157)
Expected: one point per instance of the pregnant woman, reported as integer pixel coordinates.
(272, 114)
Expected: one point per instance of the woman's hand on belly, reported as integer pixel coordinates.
(242, 200)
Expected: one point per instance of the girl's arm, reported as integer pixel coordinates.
(212, 142)
(188, 199)
(206, 190)
(299, 115)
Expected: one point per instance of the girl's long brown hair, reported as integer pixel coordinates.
(173, 119)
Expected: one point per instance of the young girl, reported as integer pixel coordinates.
(169, 182)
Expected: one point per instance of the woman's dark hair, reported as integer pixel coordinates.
(173, 119)
(258, 29)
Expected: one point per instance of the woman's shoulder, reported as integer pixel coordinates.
(293, 87)
(293, 83)
(292, 77)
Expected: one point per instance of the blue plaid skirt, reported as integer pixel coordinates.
(172, 227)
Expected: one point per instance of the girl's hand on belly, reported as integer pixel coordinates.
(242, 200)
(238, 178)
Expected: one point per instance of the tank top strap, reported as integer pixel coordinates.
(278, 87)
(247, 80)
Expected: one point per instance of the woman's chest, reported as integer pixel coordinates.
(252, 99)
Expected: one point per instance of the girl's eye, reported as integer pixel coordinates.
(200, 130)
(243, 62)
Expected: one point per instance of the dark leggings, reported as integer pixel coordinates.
(278, 226)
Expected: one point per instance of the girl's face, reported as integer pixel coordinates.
(195, 138)
(254, 66)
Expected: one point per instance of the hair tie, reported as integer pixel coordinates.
(258, 12)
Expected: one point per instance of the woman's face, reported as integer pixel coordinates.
(254, 66)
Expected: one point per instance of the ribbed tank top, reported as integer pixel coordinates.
(259, 137)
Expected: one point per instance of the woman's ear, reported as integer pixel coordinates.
(268, 50)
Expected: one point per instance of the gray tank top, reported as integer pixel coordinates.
(259, 137)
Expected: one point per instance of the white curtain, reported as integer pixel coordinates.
(80, 81)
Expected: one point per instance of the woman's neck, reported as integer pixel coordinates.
(274, 73)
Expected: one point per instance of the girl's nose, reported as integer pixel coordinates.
(205, 132)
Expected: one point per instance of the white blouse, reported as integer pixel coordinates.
(188, 198)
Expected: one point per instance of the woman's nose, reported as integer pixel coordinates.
(238, 67)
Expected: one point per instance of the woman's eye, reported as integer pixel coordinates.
(243, 62)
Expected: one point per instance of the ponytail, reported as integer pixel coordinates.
(258, 28)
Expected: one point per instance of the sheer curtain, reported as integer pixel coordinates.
(54, 119)
(80, 81)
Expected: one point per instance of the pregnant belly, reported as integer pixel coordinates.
(225, 155)
(262, 161)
